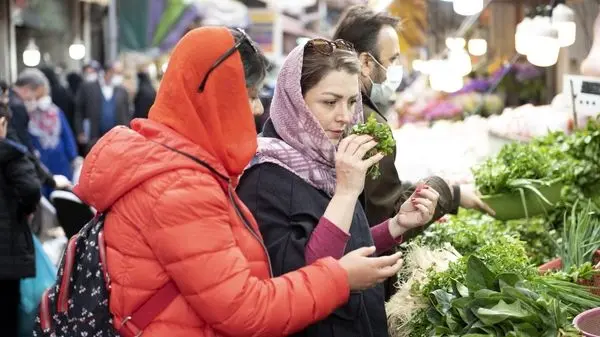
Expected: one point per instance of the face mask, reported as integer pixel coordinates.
(30, 105)
(44, 103)
(117, 80)
(382, 92)
(91, 77)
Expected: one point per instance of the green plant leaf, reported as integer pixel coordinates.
(478, 275)
(501, 312)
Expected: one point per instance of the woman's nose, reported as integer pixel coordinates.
(345, 114)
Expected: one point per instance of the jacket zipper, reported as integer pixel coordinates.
(45, 323)
(65, 283)
(247, 225)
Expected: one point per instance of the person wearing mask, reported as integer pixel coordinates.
(61, 96)
(19, 196)
(49, 129)
(304, 183)
(169, 182)
(101, 103)
(144, 98)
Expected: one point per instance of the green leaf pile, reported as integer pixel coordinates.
(382, 133)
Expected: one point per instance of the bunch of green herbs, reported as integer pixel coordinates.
(382, 134)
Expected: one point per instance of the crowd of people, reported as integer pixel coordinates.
(280, 234)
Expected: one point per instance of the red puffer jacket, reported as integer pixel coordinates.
(170, 219)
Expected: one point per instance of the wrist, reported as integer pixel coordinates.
(346, 195)
(396, 228)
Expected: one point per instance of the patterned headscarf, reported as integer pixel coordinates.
(304, 147)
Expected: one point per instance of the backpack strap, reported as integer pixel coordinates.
(134, 325)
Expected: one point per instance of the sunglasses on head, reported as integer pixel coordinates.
(326, 47)
(245, 39)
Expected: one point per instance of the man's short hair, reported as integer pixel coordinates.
(360, 25)
(32, 78)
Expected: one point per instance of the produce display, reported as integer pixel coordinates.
(473, 275)
(573, 160)
(382, 134)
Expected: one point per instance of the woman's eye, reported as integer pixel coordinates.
(330, 103)
(352, 102)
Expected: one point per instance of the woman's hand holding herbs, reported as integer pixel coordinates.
(417, 211)
(351, 166)
(469, 199)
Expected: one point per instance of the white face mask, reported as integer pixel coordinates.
(30, 105)
(92, 77)
(382, 92)
(117, 80)
(44, 103)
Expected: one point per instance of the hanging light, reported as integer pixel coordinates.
(31, 54)
(454, 43)
(477, 47)
(544, 45)
(460, 60)
(563, 19)
(523, 36)
(468, 7)
(77, 50)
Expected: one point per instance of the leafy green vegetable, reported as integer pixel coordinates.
(382, 133)
(469, 230)
(581, 236)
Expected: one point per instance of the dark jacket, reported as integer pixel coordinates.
(383, 196)
(89, 103)
(20, 193)
(19, 123)
(144, 98)
(287, 210)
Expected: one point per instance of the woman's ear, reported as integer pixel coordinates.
(365, 64)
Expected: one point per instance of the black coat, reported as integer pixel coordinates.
(144, 98)
(19, 123)
(20, 192)
(287, 210)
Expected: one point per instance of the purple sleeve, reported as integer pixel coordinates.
(329, 240)
(326, 240)
(383, 238)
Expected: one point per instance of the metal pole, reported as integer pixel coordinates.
(113, 38)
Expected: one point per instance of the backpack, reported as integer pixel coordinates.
(77, 305)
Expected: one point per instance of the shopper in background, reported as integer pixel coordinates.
(304, 184)
(144, 98)
(101, 103)
(61, 96)
(174, 216)
(19, 196)
(74, 81)
(49, 129)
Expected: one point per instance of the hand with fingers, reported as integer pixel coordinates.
(351, 166)
(469, 199)
(417, 211)
(365, 272)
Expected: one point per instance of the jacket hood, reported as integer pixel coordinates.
(215, 125)
(219, 119)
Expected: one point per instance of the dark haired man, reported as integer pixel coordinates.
(376, 41)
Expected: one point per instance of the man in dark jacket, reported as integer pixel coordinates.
(101, 104)
(20, 192)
